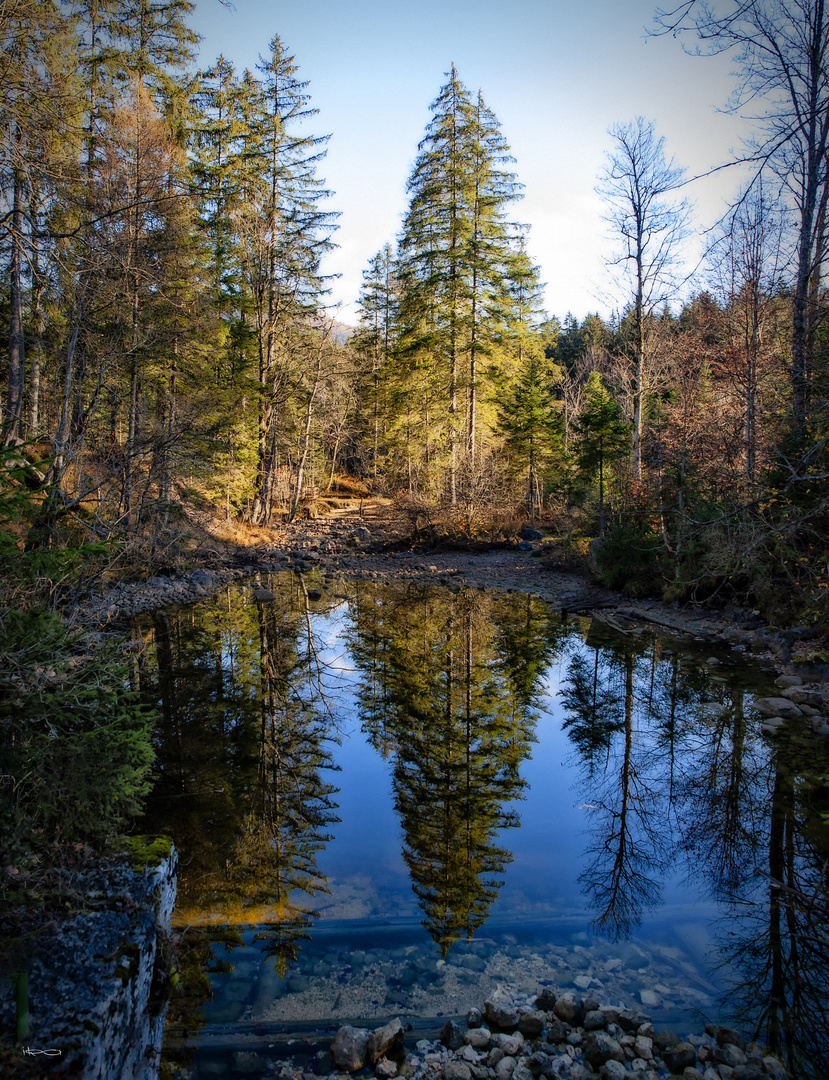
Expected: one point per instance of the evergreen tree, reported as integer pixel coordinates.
(602, 436)
(455, 255)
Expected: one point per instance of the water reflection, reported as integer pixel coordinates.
(674, 797)
(243, 749)
(671, 764)
(448, 681)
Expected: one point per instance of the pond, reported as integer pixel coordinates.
(388, 799)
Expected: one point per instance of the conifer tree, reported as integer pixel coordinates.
(602, 436)
(455, 253)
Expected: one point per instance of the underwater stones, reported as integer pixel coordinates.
(600, 1047)
(546, 1000)
(349, 1048)
(777, 706)
(679, 1057)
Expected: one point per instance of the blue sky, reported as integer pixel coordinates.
(557, 74)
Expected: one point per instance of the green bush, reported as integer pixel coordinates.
(629, 558)
(75, 745)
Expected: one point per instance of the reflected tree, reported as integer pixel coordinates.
(625, 855)
(453, 712)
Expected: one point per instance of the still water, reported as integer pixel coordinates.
(390, 798)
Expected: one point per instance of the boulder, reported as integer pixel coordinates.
(666, 1040)
(600, 1047)
(613, 1070)
(729, 1035)
(595, 1020)
(385, 1042)
(569, 1008)
(532, 1023)
(385, 1069)
(777, 706)
(451, 1035)
(730, 1055)
(474, 1018)
(477, 1037)
(539, 1064)
(500, 1010)
(680, 1057)
(545, 1000)
(456, 1070)
(349, 1048)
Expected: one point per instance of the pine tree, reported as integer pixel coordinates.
(454, 260)
(602, 436)
(287, 232)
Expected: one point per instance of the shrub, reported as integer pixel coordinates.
(629, 558)
(74, 739)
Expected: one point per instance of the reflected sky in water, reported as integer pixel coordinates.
(477, 772)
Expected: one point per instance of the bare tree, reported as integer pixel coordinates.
(781, 49)
(649, 222)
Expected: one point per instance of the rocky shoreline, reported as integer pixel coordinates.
(547, 1036)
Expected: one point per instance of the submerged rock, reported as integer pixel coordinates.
(349, 1048)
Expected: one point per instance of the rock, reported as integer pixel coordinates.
(386, 1041)
(525, 545)
(349, 1048)
(749, 1071)
(521, 1072)
(643, 1046)
(595, 1020)
(451, 1035)
(666, 1040)
(729, 1035)
(385, 1069)
(569, 1008)
(679, 1057)
(512, 1045)
(532, 1023)
(505, 1068)
(631, 1020)
(785, 681)
(613, 1070)
(500, 1010)
(773, 1066)
(539, 1064)
(477, 1037)
(692, 1073)
(557, 1031)
(529, 533)
(456, 1070)
(495, 1055)
(245, 1061)
(772, 726)
(777, 706)
(600, 1047)
(545, 1000)
(314, 594)
(474, 1018)
(729, 1054)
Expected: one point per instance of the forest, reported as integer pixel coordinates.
(170, 347)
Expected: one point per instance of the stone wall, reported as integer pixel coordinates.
(96, 980)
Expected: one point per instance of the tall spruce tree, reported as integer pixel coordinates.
(455, 253)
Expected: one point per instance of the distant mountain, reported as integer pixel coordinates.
(341, 333)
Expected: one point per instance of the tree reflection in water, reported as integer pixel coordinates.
(447, 686)
(673, 767)
(241, 752)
